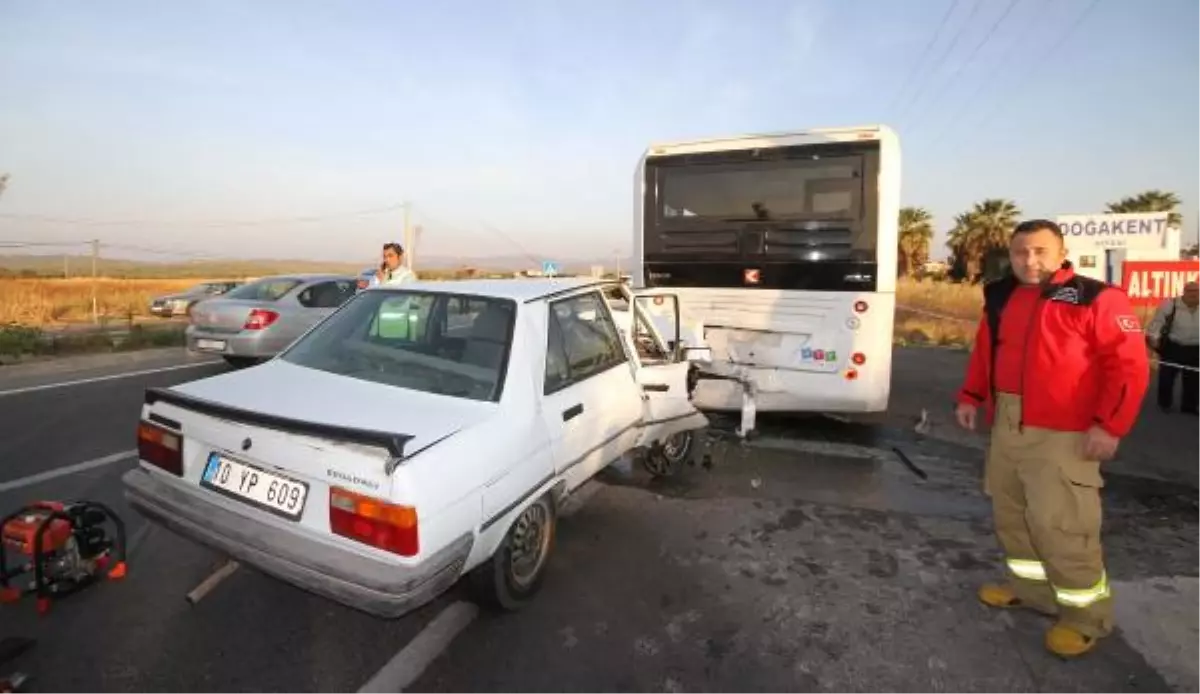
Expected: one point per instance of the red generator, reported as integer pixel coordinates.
(63, 546)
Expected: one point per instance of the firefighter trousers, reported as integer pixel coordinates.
(1046, 509)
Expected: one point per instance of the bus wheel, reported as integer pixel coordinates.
(666, 459)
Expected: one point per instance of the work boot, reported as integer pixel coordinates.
(1005, 597)
(1067, 642)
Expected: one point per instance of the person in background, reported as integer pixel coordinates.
(1060, 367)
(1174, 333)
(391, 270)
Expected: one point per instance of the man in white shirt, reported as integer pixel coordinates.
(392, 270)
(1174, 333)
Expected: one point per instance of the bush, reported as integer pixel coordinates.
(17, 340)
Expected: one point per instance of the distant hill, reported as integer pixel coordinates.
(81, 266)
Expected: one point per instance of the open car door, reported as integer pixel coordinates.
(662, 372)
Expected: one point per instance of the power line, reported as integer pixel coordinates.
(946, 54)
(40, 244)
(489, 227)
(924, 54)
(989, 79)
(165, 251)
(974, 53)
(209, 224)
(1038, 60)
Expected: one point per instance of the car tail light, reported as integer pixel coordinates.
(161, 448)
(858, 358)
(851, 374)
(860, 307)
(260, 318)
(390, 527)
(362, 284)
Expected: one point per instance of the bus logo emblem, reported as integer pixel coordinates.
(752, 276)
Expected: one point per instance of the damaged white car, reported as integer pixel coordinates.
(417, 435)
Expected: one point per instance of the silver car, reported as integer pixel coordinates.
(179, 304)
(258, 320)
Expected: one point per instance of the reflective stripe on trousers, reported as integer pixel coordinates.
(1033, 570)
(1028, 569)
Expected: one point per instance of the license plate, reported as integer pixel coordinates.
(267, 490)
(211, 345)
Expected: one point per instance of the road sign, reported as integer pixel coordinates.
(549, 268)
(1151, 282)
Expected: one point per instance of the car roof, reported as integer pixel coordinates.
(313, 277)
(517, 289)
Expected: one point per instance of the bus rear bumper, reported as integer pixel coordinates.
(780, 391)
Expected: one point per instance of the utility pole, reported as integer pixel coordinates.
(408, 236)
(95, 257)
(417, 231)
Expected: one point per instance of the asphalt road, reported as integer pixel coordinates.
(813, 560)
(139, 634)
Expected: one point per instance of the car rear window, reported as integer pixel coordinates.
(264, 290)
(447, 344)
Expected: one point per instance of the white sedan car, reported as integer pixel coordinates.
(417, 435)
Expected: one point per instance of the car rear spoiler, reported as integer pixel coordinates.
(394, 443)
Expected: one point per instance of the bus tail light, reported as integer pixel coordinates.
(858, 358)
(851, 374)
(860, 307)
(161, 448)
(374, 522)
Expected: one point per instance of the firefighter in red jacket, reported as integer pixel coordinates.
(1059, 367)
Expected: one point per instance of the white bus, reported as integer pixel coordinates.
(783, 248)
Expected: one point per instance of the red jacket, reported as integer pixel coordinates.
(1085, 360)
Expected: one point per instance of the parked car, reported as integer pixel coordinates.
(258, 320)
(178, 304)
(416, 436)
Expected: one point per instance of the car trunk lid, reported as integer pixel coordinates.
(227, 315)
(322, 412)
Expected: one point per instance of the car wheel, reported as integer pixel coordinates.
(513, 574)
(240, 362)
(667, 458)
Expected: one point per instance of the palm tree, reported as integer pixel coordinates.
(981, 233)
(994, 220)
(1151, 201)
(916, 232)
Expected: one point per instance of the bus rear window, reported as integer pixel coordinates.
(761, 191)
(804, 203)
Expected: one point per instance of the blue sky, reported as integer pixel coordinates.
(529, 117)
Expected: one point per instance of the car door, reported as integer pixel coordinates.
(590, 402)
(301, 309)
(661, 369)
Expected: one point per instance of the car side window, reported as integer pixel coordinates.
(558, 375)
(323, 295)
(582, 341)
(346, 291)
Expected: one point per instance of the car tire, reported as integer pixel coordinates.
(510, 578)
(240, 362)
(667, 458)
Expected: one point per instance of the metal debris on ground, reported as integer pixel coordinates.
(206, 586)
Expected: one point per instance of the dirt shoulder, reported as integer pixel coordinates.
(1163, 446)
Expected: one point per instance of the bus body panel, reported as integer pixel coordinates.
(773, 336)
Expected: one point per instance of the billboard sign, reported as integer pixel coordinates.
(1151, 282)
(1138, 230)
